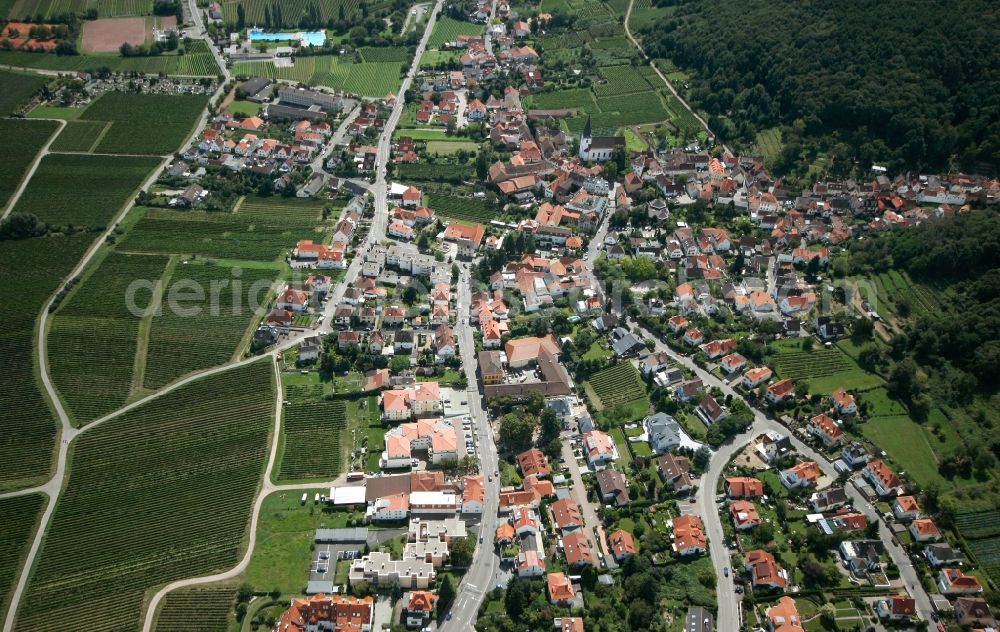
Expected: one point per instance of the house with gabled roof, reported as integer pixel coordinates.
(881, 477)
(824, 428)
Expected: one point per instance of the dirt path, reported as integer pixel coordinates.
(628, 33)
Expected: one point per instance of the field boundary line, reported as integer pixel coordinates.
(100, 137)
(146, 328)
(44, 151)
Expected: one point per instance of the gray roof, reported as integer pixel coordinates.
(334, 536)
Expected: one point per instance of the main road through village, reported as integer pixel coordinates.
(483, 572)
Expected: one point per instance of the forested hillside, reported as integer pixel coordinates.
(913, 84)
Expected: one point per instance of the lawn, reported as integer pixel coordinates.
(908, 445)
(246, 108)
(633, 142)
(825, 369)
(55, 112)
(285, 534)
(28, 137)
(597, 351)
(624, 454)
(81, 190)
(160, 493)
(447, 148)
(18, 88)
(423, 134)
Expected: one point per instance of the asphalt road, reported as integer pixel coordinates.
(483, 573)
(727, 600)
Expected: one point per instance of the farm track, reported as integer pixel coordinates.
(680, 99)
(68, 433)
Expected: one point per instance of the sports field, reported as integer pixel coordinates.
(108, 34)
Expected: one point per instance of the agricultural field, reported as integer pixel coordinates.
(384, 54)
(222, 235)
(160, 493)
(79, 136)
(18, 88)
(373, 79)
(19, 516)
(315, 440)
(644, 14)
(609, 113)
(94, 336)
(197, 610)
(280, 208)
(145, 123)
(292, 11)
(447, 29)
(31, 270)
(618, 385)
(895, 289)
(197, 61)
(436, 172)
(825, 369)
(460, 207)
(769, 144)
(28, 137)
(54, 8)
(83, 190)
(621, 80)
(207, 326)
(979, 524)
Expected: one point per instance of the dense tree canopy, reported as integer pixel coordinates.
(911, 84)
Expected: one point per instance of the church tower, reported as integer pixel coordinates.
(585, 140)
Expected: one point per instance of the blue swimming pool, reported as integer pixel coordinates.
(306, 38)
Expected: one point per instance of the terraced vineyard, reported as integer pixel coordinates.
(94, 335)
(314, 439)
(29, 137)
(206, 327)
(460, 207)
(197, 61)
(894, 286)
(196, 610)
(160, 493)
(238, 236)
(145, 123)
(619, 384)
(85, 191)
(19, 515)
(18, 88)
(31, 270)
(79, 136)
